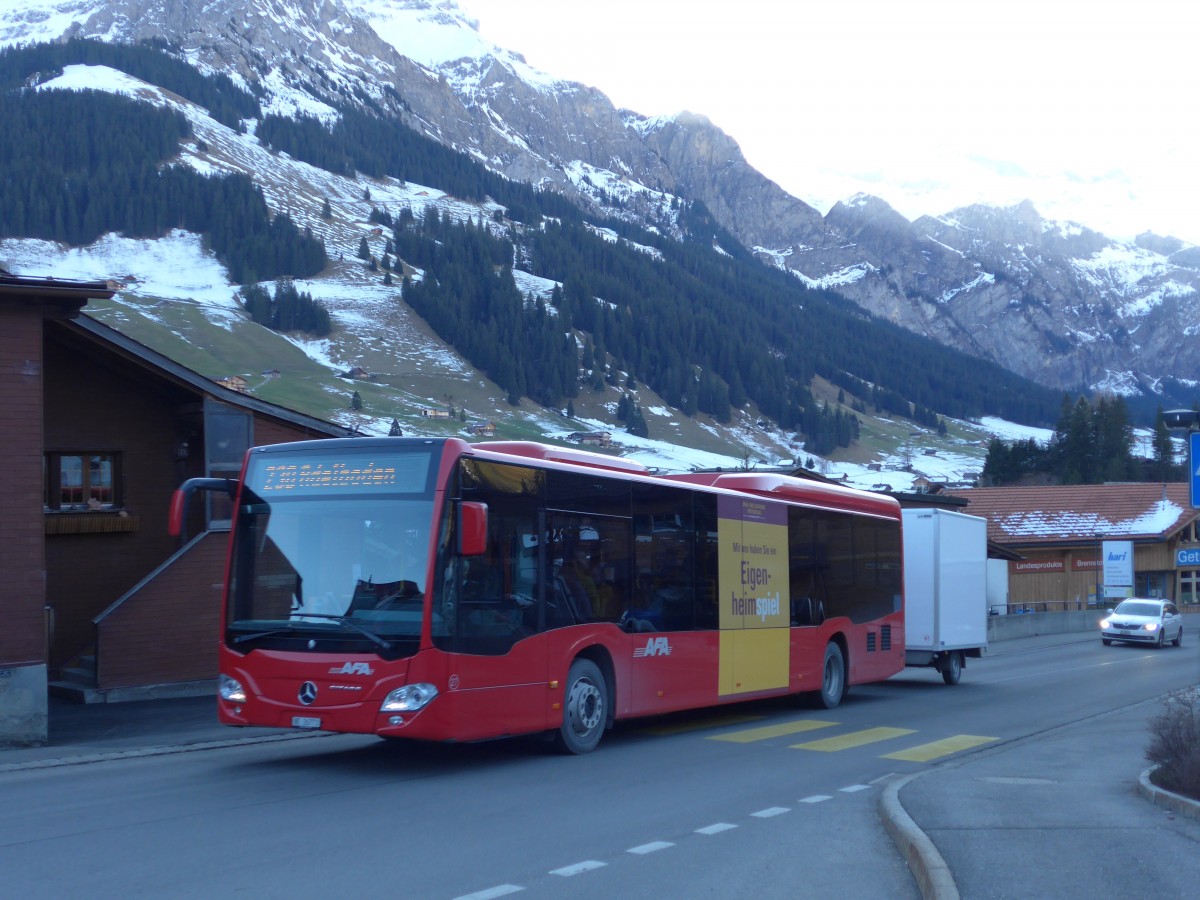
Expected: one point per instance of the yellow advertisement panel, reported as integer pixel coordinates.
(755, 604)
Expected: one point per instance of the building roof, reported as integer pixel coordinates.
(58, 296)
(1072, 514)
(122, 344)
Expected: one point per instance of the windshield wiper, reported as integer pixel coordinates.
(344, 620)
(262, 634)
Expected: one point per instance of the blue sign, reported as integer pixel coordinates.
(1194, 465)
(1185, 559)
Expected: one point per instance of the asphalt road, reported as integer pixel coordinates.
(763, 800)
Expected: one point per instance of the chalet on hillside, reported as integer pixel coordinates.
(101, 603)
(435, 413)
(595, 438)
(234, 383)
(487, 429)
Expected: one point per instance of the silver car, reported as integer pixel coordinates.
(1141, 621)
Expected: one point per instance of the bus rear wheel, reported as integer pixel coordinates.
(585, 709)
(833, 678)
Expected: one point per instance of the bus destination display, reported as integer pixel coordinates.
(325, 474)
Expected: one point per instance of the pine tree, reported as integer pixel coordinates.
(395, 430)
(1163, 450)
(637, 422)
(356, 401)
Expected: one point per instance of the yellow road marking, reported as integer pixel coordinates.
(769, 731)
(926, 752)
(853, 739)
(701, 724)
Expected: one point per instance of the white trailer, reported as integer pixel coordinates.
(945, 590)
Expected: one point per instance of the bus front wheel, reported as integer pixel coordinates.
(585, 709)
(833, 678)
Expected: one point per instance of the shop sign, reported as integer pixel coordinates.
(1187, 559)
(1029, 566)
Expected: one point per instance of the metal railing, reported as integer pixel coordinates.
(1041, 606)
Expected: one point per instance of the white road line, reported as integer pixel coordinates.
(854, 788)
(715, 829)
(586, 866)
(650, 848)
(500, 890)
(773, 811)
(1072, 669)
(816, 798)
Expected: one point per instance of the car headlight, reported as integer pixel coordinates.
(1106, 623)
(409, 698)
(231, 689)
(1151, 626)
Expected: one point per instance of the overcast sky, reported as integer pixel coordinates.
(1087, 109)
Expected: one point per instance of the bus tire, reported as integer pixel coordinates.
(585, 709)
(952, 667)
(833, 678)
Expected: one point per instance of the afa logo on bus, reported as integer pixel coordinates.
(352, 668)
(655, 646)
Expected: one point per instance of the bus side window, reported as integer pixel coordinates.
(666, 595)
(707, 561)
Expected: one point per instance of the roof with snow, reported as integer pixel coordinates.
(1070, 514)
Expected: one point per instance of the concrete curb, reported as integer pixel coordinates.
(161, 750)
(1177, 803)
(933, 876)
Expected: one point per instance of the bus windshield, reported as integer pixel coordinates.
(346, 561)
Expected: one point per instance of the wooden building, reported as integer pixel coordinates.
(98, 432)
(596, 438)
(1059, 532)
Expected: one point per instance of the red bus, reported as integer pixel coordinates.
(445, 591)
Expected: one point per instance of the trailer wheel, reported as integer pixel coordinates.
(952, 667)
(585, 709)
(833, 678)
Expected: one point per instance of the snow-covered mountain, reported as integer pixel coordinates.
(1052, 301)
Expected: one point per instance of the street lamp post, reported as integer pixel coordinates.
(1189, 419)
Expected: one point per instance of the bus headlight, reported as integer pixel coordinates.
(409, 698)
(231, 689)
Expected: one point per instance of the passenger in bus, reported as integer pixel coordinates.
(585, 573)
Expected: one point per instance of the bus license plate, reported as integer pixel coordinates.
(305, 722)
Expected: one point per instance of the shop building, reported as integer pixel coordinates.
(1060, 533)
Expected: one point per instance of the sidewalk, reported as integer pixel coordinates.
(1034, 819)
(88, 732)
(1067, 813)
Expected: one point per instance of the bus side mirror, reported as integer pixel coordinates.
(179, 500)
(472, 528)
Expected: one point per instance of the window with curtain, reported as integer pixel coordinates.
(81, 480)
